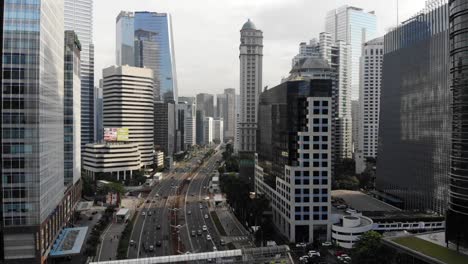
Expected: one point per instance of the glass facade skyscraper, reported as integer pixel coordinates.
(457, 214)
(32, 129)
(79, 18)
(415, 113)
(144, 39)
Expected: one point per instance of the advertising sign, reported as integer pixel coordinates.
(115, 134)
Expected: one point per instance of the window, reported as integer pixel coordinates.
(324, 103)
(324, 146)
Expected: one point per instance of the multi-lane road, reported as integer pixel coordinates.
(173, 209)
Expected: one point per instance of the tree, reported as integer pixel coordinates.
(369, 250)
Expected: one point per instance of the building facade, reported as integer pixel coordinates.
(36, 205)
(72, 109)
(457, 214)
(144, 39)
(205, 102)
(165, 127)
(208, 129)
(78, 16)
(229, 116)
(128, 103)
(218, 130)
(369, 109)
(415, 113)
(189, 121)
(293, 159)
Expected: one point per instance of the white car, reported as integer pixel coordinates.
(301, 245)
(204, 228)
(201, 206)
(143, 214)
(327, 244)
(189, 212)
(214, 248)
(206, 216)
(313, 253)
(208, 237)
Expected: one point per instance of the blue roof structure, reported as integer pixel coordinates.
(69, 242)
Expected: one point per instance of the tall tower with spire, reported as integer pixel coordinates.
(251, 68)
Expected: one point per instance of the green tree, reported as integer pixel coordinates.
(369, 250)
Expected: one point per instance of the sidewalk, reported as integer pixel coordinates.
(110, 242)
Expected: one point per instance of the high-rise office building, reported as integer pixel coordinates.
(457, 214)
(229, 114)
(205, 102)
(36, 205)
(371, 77)
(208, 129)
(98, 126)
(294, 172)
(144, 39)
(218, 130)
(189, 121)
(220, 105)
(165, 127)
(78, 16)
(200, 131)
(413, 162)
(336, 54)
(354, 26)
(251, 70)
(128, 103)
(72, 109)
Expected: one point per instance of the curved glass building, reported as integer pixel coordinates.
(457, 215)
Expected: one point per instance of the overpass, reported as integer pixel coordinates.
(274, 254)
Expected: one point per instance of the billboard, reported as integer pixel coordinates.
(116, 134)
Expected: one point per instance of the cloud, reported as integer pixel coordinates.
(206, 34)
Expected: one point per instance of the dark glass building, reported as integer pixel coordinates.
(457, 214)
(415, 113)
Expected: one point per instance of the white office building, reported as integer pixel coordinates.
(189, 123)
(128, 102)
(208, 128)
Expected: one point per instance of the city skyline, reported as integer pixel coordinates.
(280, 40)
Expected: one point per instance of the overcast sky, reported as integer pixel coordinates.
(206, 34)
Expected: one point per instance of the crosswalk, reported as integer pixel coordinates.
(239, 238)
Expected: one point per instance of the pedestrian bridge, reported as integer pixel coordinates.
(274, 254)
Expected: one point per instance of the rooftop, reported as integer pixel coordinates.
(69, 242)
(363, 202)
(425, 248)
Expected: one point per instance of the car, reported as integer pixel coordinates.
(206, 216)
(132, 242)
(151, 248)
(304, 259)
(149, 213)
(208, 237)
(313, 253)
(222, 242)
(327, 244)
(159, 243)
(143, 214)
(157, 195)
(341, 206)
(193, 233)
(158, 227)
(189, 212)
(204, 228)
(90, 218)
(199, 232)
(201, 206)
(94, 212)
(147, 201)
(215, 248)
(301, 245)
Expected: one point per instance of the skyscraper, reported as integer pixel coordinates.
(35, 202)
(354, 26)
(144, 39)
(229, 114)
(72, 109)
(79, 18)
(190, 107)
(205, 102)
(251, 70)
(220, 105)
(415, 114)
(457, 214)
(128, 103)
(294, 172)
(371, 76)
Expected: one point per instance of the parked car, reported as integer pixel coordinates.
(301, 245)
(327, 244)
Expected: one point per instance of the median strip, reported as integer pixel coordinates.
(218, 224)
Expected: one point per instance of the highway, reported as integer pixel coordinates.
(152, 231)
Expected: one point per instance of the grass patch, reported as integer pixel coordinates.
(124, 241)
(218, 224)
(438, 252)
